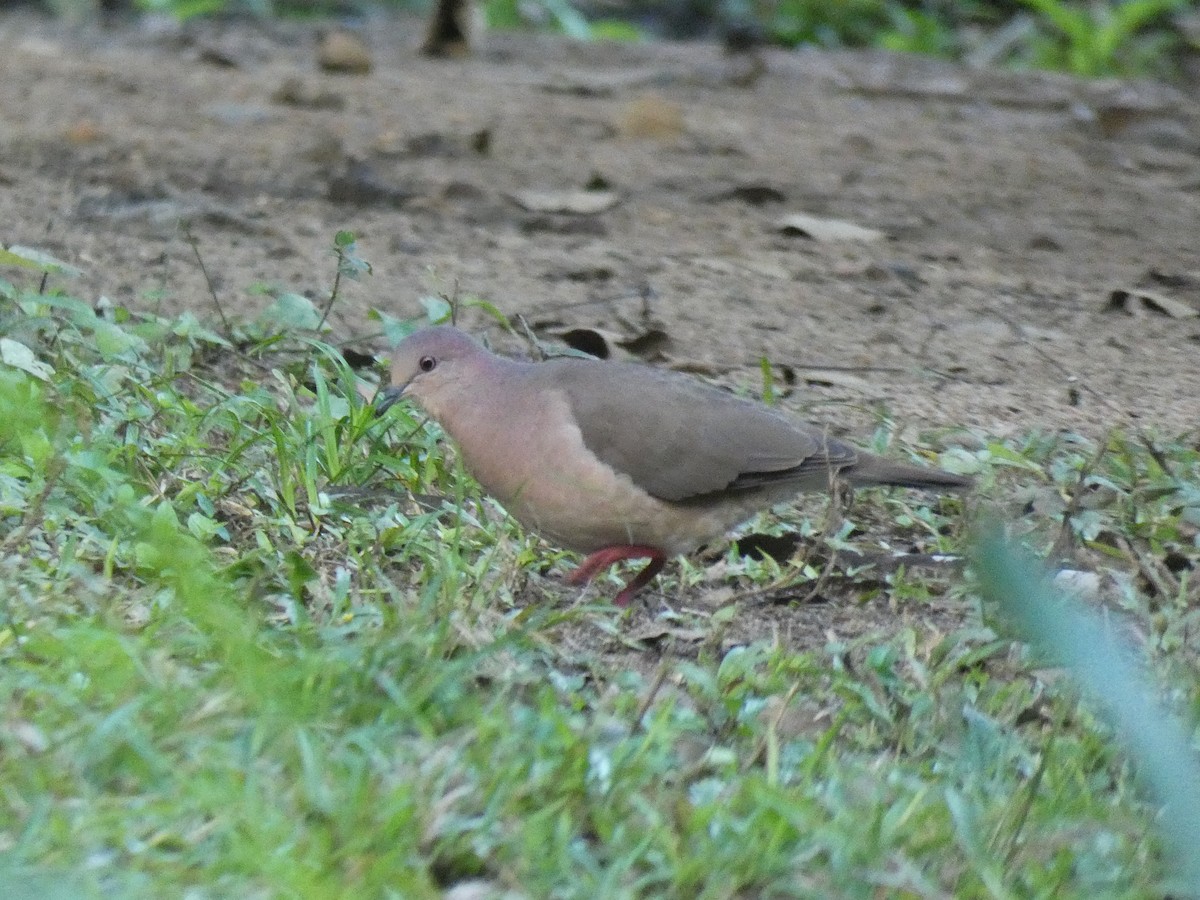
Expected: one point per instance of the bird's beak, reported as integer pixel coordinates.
(387, 398)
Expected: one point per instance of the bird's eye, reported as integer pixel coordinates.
(427, 364)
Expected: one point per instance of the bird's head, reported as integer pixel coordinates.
(430, 365)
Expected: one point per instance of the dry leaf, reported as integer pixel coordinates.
(819, 229)
(603, 344)
(581, 203)
(595, 342)
(1137, 300)
(650, 116)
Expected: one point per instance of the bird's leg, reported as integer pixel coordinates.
(602, 559)
(641, 579)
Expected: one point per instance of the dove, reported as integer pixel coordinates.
(622, 461)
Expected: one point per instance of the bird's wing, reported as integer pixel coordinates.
(678, 438)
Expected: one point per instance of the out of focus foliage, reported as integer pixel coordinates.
(1158, 38)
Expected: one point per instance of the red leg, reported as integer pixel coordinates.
(641, 579)
(602, 559)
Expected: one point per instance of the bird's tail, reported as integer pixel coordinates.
(875, 470)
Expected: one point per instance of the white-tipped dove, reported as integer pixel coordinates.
(621, 460)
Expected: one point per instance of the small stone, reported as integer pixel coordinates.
(344, 53)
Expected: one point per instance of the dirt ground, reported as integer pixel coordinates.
(1011, 206)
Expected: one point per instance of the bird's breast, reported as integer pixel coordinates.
(539, 468)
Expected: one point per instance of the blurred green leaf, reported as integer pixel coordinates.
(615, 30)
(1067, 633)
(291, 311)
(394, 329)
(31, 258)
(437, 309)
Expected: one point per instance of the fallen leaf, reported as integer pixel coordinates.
(650, 116)
(580, 203)
(819, 229)
(604, 344)
(1136, 301)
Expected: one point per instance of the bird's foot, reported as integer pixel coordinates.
(602, 559)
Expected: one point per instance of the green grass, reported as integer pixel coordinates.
(1106, 37)
(257, 641)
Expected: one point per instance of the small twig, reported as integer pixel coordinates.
(535, 345)
(454, 299)
(45, 280)
(212, 290)
(333, 291)
(660, 678)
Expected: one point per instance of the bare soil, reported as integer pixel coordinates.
(1012, 207)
